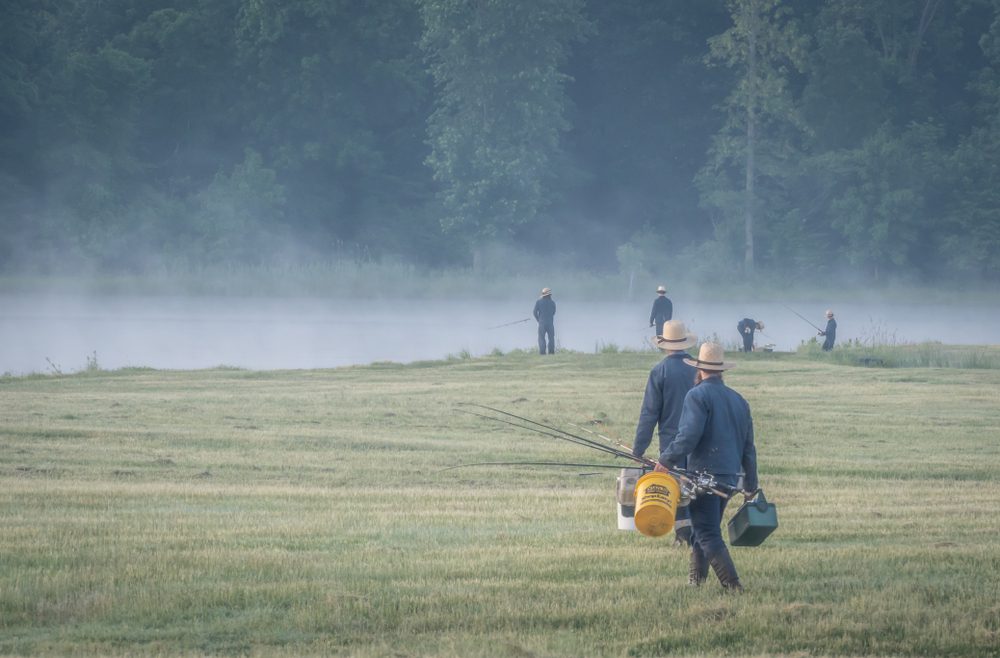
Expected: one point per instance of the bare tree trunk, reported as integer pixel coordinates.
(926, 16)
(748, 202)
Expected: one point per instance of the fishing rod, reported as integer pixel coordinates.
(508, 324)
(606, 438)
(803, 317)
(568, 436)
(692, 483)
(614, 466)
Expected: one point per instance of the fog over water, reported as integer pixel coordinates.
(42, 334)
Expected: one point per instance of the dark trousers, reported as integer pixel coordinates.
(543, 331)
(706, 519)
(659, 327)
(748, 342)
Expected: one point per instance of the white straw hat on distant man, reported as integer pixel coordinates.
(675, 337)
(546, 292)
(829, 313)
(660, 290)
(711, 357)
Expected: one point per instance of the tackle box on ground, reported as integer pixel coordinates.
(753, 522)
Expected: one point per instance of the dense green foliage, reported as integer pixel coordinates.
(775, 136)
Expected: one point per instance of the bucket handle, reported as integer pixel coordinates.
(758, 500)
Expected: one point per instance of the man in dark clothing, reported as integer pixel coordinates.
(830, 332)
(747, 327)
(663, 310)
(715, 435)
(668, 383)
(545, 313)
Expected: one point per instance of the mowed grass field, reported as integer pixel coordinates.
(229, 512)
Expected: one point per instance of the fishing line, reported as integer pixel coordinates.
(802, 316)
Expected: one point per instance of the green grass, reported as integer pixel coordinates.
(891, 354)
(232, 512)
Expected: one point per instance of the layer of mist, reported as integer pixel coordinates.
(63, 334)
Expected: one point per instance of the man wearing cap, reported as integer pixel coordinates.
(668, 383)
(747, 327)
(830, 332)
(663, 310)
(545, 313)
(715, 434)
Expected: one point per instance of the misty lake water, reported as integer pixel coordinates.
(46, 334)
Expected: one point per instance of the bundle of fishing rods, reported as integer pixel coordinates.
(692, 483)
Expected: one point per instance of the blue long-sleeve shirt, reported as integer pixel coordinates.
(663, 310)
(831, 334)
(715, 434)
(545, 310)
(668, 383)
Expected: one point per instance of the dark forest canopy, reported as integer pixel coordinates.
(786, 137)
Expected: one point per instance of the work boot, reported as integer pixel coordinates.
(724, 568)
(698, 569)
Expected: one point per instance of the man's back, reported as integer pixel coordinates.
(545, 310)
(668, 383)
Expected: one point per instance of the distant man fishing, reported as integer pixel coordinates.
(830, 332)
(747, 327)
(715, 435)
(545, 314)
(668, 383)
(663, 310)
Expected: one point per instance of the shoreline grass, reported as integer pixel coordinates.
(233, 512)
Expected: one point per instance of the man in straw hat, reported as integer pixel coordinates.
(663, 310)
(668, 383)
(747, 327)
(830, 332)
(545, 313)
(715, 435)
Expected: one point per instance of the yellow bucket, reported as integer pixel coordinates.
(656, 498)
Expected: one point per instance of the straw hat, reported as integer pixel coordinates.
(829, 313)
(710, 357)
(675, 336)
(660, 290)
(546, 292)
(760, 325)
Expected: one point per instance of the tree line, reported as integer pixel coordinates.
(736, 136)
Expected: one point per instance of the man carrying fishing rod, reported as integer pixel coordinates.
(714, 435)
(830, 333)
(668, 383)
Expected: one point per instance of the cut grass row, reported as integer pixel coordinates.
(291, 513)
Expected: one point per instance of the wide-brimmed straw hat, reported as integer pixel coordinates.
(829, 313)
(760, 325)
(675, 336)
(546, 292)
(710, 357)
(661, 290)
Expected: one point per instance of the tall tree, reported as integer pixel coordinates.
(763, 48)
(500, 107)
